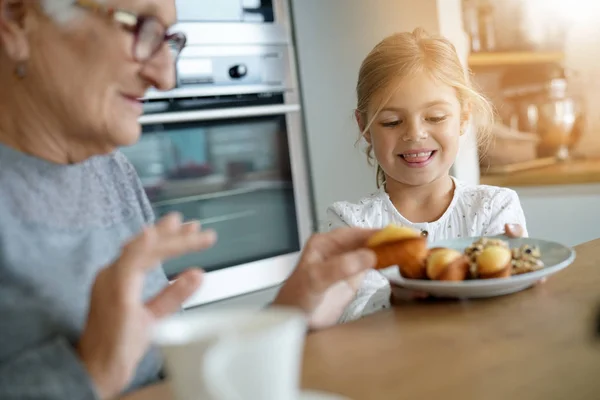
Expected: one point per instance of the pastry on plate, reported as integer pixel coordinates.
(477, 247)
(447, 265)
(494, 262)
(401, 246)
(526, 259)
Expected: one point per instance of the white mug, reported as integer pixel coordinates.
(233, 354)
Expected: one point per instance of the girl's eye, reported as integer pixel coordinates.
(390, 124)
(436, 120)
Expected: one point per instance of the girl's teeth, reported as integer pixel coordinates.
(415, 155)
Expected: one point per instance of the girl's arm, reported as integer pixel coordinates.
(505, 209)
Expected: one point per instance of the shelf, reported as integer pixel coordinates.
(514, 58)
(563, 173)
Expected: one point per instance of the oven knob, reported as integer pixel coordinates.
(238, 71)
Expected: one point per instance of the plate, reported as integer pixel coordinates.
(554, 255)
(316, 395)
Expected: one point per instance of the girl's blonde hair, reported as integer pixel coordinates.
(408, 53)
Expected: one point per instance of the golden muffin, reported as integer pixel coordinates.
(494, 262)
(447, 265)
(401, 246)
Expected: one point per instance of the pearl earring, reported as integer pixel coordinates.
(21, 70)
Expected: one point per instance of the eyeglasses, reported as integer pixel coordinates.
(149, 33)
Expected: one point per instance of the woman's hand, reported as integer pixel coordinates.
(117, 333)
(328, 275)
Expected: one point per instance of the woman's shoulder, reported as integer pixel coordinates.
(362, 213)
(130, 178)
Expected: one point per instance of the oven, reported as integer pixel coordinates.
(227, 147)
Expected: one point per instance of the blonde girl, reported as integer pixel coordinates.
(415, 100)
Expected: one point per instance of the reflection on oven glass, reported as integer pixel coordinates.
(233, 177)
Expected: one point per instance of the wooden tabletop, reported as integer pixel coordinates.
(562, 173)
(536, 344)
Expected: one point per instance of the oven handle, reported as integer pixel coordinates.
(223, 113)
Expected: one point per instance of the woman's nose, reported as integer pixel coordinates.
(159, 71)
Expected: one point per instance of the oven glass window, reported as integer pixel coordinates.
(234, 177)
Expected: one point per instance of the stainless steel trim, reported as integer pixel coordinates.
(226, 217)
(297, 137)
(208, 51)
(300, 176)
(234, 281)
(282, 12)
(216, 195)
(213, 91)
(233, 33)
(224, 113)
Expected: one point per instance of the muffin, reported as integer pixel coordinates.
(477, 247)
(494, 262)
(401, 246)
(447, 265)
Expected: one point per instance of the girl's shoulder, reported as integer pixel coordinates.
(365, 213)
(483, 196)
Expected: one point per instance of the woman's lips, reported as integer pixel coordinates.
(134, 101)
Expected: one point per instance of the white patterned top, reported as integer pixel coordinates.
(475, 210)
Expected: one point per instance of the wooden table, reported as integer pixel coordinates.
(537, 344)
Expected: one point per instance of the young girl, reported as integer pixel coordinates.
(415, 100)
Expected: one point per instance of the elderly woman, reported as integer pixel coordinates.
(80, 252)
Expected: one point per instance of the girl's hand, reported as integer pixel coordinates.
(513, 230)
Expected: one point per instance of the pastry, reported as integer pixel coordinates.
(494, 262)
(526, 259)
(477, 247)
(447, 265)
(401, 246)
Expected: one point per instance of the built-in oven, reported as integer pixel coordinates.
(227, 148)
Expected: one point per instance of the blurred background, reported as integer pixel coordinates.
(258, 138)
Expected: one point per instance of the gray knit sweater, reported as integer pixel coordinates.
(59, 225)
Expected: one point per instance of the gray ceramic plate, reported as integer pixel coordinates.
(554, 255)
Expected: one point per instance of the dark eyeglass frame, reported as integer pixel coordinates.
(136, 24)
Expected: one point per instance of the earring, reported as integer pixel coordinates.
(21, 70)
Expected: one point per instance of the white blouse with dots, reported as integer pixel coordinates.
(475, 210)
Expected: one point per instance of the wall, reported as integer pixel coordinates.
(566, 214)
(332, 38)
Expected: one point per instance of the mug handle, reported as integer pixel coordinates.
(215, 365)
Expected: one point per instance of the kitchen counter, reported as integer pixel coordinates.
(536, 344)
(562, 173)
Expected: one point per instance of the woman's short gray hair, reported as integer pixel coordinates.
(61, 10)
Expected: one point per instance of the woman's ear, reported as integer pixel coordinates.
(362, 125)
(13, 36)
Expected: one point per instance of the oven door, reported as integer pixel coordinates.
(238, 170)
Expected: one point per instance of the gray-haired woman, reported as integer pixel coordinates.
(80, 253)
